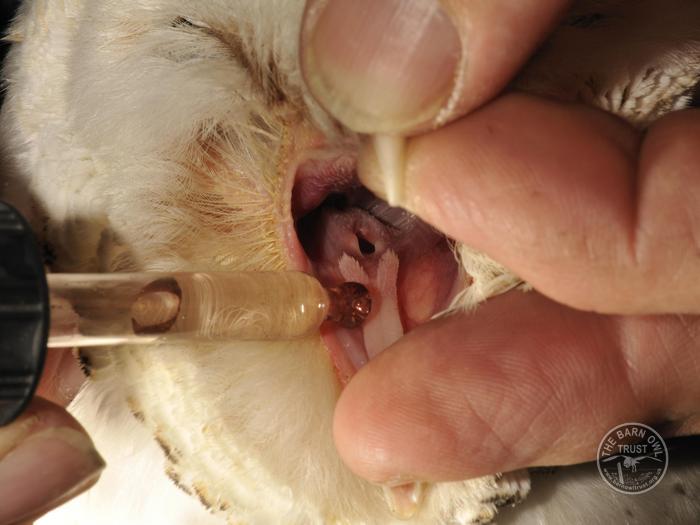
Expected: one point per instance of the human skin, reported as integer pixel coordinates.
(46, 458)
(600, 218)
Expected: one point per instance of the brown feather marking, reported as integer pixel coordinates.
(171, 453)
(177, 480)
(203, 496)
(139, 416)
(84, 363)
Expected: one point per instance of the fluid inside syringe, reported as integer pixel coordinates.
(123, 308)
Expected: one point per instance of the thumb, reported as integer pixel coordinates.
(401, 66)
(522, 382)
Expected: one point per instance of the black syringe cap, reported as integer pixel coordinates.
(24, 314)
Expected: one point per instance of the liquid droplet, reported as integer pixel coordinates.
(351, 304)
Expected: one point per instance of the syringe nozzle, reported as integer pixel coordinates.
(350, 305)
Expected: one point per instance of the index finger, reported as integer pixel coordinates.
(585, 208)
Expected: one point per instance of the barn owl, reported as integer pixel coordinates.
(145, 135)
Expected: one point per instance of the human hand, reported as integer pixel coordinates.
(594, 214)
(46, 458)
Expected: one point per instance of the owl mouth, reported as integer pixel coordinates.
(344, 233)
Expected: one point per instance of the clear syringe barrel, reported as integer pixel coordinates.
(108, 309)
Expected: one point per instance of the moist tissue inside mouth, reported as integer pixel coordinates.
(408, 267)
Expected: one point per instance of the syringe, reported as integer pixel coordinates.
(68, 310)
(133, 308)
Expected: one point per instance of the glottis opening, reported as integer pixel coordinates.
(348, 234)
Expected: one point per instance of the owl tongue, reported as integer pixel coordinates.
(383, 327)
(407, 266)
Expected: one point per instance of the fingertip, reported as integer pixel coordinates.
(358, 435)
(393, 423)
(46, 458)
(380, 65)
